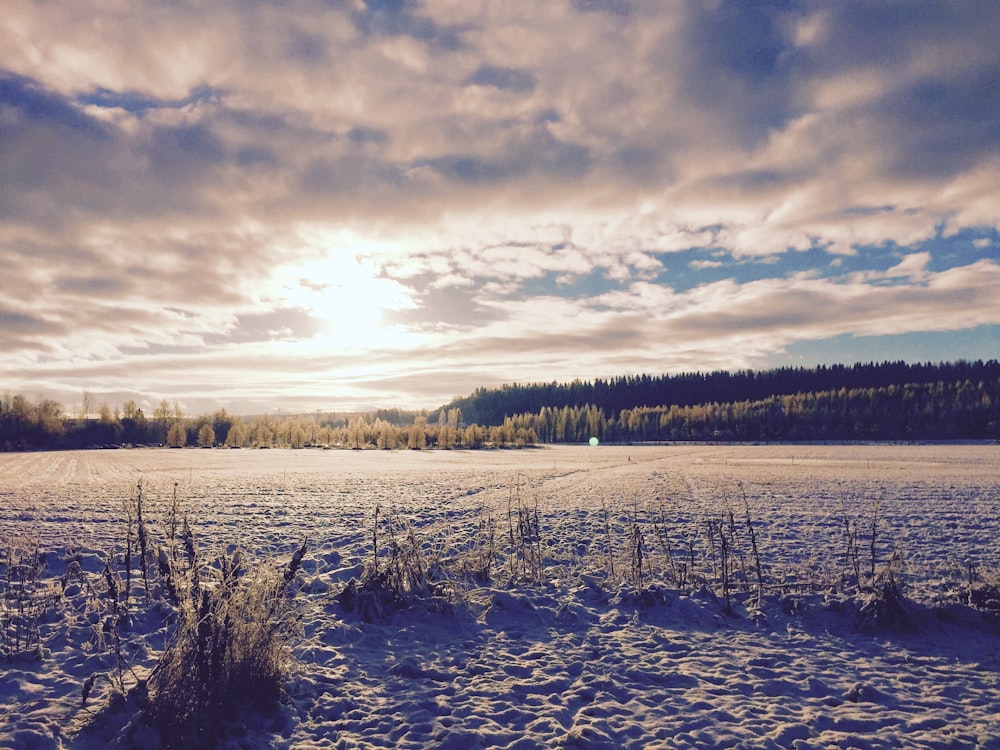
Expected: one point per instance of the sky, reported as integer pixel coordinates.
(307, 205)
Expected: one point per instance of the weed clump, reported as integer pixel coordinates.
(406, 571)
(228, 649)
(985, 596)
(228, 653)
(885, 608)
(983, 591)
(23, 597)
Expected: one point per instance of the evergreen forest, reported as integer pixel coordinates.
(872, 401)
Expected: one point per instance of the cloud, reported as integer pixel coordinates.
(521, 180)
(679, 99)
(701, 264)
(618, 7)
(912, 267)
(507, 79)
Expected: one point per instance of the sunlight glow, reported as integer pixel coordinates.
(350, 298)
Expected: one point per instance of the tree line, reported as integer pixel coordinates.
(929, 411)
(959, 400)
(490, 406)
(44, 425)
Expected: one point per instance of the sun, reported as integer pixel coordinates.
(350, 299)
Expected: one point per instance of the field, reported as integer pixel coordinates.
(623, 604)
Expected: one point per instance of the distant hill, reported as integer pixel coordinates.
(492, 406)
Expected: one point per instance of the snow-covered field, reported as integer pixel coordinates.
(580, 658)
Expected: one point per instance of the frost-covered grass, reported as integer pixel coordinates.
(220, 624)
(670, 596)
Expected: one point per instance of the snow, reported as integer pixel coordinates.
(581, 658)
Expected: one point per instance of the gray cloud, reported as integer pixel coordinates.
(508, 79)
(401, 18)
(447, 309)
(85, 286)
(25, 324)
(724, 77)
(285, 324)
(518, 177)
(925, 117)
(619, 7)
(739, 64)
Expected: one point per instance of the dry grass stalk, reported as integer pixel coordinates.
(610, 547)
(23, 597)
(400, 572)
(754, 549)
(637, 555)
(524, 553)
(228, 653)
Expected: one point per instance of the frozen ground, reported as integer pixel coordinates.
(580, 659)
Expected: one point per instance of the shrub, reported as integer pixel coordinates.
(228, 652)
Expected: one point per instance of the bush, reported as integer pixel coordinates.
(228, 653)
